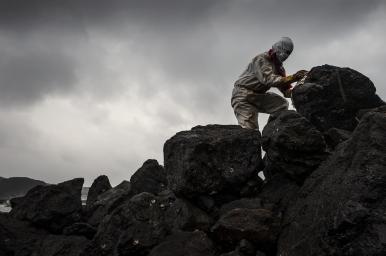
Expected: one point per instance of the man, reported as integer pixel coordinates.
(250, 96)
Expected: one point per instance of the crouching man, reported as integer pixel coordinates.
(250, 94)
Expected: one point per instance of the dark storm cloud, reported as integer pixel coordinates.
(29, 74)
(184, 39)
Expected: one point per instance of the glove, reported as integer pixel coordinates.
(299, 75)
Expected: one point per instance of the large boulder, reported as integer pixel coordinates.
(293, 146)
(256, 225)
(107, 202)
(340, 210)
(52, 207)
(194, 243)
(144, 221)
(211, 159)
(151, 177)
(331, 97)
(99, 186)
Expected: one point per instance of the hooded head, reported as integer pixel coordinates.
(283, 48)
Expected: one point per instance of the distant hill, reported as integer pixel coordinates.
(16, 186)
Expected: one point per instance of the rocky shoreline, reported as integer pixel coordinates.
(324, 192)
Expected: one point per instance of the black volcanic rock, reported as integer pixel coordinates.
(335, 136)
(99, 186)
(278, 192)
(340, 210)
(107, 202)
(80, 229)
(151, 177)
(51, 207)
(16, 186)
(145, 220)
(293, 146)
(332, 96)
(246, 203)
(211, 159)
(56, 245)
(256, 225)
(194, 243)
(18, 237)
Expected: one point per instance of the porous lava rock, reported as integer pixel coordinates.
(80, 229)
(256, 225)
(57, 245)
(107, 202)
(293, 146)
(340, 208)
(99, 186)
(18, 237)
(332, 96)
(151, 177)
(210, 159)
(144, 221)
(194, 243)
(51, 207)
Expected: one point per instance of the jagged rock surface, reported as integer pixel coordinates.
(194, 243)
(211, 159)
(56, 245)
(143, 222)
(256, 225)
(151, 177)
(52, 207)
(99, 186)
(18, 237)
(293, 146)
(340, 209)
(107, 202)
(332, 96)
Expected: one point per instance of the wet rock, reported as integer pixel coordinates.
(331, 97)
(80, 229)
(143, 222)
(99, 186)
(185, 243)
(51, 207)
(107, 202)
(18, 237)
(340, 208)
(256, 225)
(293, 146)
(54, 245)
(210, 159)
(151, 177)
(246, 203)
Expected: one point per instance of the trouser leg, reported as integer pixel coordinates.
(246, 114)
(268, 102)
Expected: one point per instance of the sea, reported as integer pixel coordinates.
(6, 207)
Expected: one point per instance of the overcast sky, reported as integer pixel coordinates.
(90, 87)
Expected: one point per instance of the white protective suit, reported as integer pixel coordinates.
(250, 96)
